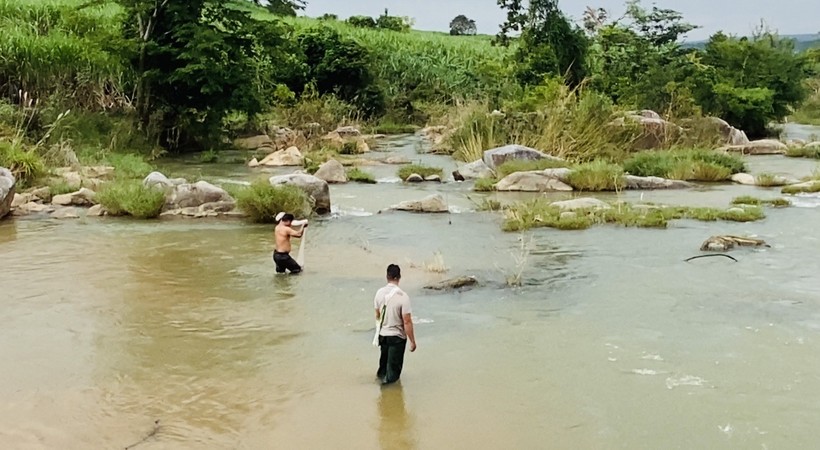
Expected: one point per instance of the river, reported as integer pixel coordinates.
(108, 325)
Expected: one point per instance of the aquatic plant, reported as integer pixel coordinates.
(526, 165)
(685, 164)
(804, 152)
(359, 176)
(261, 201)
(130, 197)
(485, 184)
(425, 171)
(597, 176)
(808, 187)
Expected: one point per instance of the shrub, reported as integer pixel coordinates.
(362, 21)
(597, 176)
(261, 201)
(26, 165)
(349, 148)
(209, 157)
(60, 187)
(392, 23)
(394, 128)
(130, 197)
(522, 165)
(425, 171)
(804, 152)
(692, 165)
(129, 165)
(707, 171)
(485, 184)
(769, 180)
(360, 176)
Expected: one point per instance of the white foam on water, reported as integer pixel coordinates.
(423, 321)
(644, 372)
(728, 430)
(806, 201)
(392, 180)
(685, 380)
(652, 357)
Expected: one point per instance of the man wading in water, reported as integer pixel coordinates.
(283, 233)
(394, 313)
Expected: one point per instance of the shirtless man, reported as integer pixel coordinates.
(281, 255)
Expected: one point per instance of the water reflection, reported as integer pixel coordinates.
(395, 424)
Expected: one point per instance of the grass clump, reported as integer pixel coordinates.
(209, 157)
(803, 188)
(769, 180)
(60, 187)
(394, 128)
(130, 197)
(523, 165)
(425, 171)
(360, 176)
(129, 166)
(261, 201)
(688, 165)
(597, 176)
(25, 165)
(485, 184)
(804, 152)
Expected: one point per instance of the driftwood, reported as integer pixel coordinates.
(724, 243)
(452, 283)
(153, 433)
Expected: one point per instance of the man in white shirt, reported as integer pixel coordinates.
(394, 312)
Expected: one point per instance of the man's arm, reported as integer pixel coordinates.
(297, 234)
(408, 330)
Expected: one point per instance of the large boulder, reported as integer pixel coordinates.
(535, 181)
(332, 171)
(581, 203)
(316, 188)
(290, 156)
(498, 156)
(196, 194)
(83, 197)
(650, 183)
(431, 204)
(744, 179)
(161, 181)
(7, 190)
(254, 142)
(760, 147)
(729, 134)
(347, 131)
(473, 171)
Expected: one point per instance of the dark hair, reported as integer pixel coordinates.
(393, 272)
(287, 217)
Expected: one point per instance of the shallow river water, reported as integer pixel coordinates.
(107, 326)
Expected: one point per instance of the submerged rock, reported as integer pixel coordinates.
(651, 183)
(7, 191)
(744, 179)
(65, 213)
(332, 171)
(452, 283)
(535, 181)
(760, 147)
(725, 243)
(196, 194)
(316, 188)
(498, 156)
(254, 142)
(414, 178)
(431, 204)
(581, 203)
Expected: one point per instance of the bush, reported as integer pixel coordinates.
(60, 187)
(362, 21)
(392, 23)
(209, 157)
(130, 197)
(26, 165)
(597, 176)
(129, 166)
(360, 176)
(523, 165)
(424, 171)
(261, 201)
(691, 165)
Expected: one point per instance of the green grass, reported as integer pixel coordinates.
(797, 189)
(393, 128)
(597, 176)
(60, 187)
(485, 184)
(688, 165)
(804, 152)
(768, 180)
(209, 157)
(26, 165)
(359, 176)
(261, 201)
(522, 165)
(540, 213)
(425, 171)
(130, 197)
(128, 166)
(754, 201)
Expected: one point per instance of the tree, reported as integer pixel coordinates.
(549, 43)
(283, 7)
(362, 21)
(461, 25)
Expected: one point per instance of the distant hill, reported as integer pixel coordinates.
(803, 42)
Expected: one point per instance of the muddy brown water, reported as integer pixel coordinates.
(612, 341)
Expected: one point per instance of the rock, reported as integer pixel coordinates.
(561, 174)
(799, 143)
(194, 195)
(83, 197)
(655, 132)
(158, 179)
(724, 243)
(433, 178)
(473, 171)
(22, 199)
(452, 283)
(332, 171)
(65, 213)
(535, 181)
(649, 183)
(761, 147)
(498, 156)
(813, 145)
(254, 142)
(729, 134)
(649, 114)
(581, 203)
(568, 215)
(290, 156)
(414, 178)
(96, 211)
(42, 193)
(316, 188)
(430, 204)
(744, 178)
(396, 159)
(7, 191)
(32, 208)
(435, 134)
(347, 132)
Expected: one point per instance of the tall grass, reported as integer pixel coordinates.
(261, 201)
(685, 164)
(130, 197)
(597, 176)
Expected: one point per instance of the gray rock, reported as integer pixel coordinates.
(581, 203)
(196, 194)
(7, 191)
(332, 171)
(724, 243)
(473, 171)
(348, 131)
(498, 156)
(536, 181)
(729, 134)
(83, 197)
(254, 142)
(290, 156)
(433, 178)
(561, 174)
(452, 283)
(316, 188)
(32, 208)
(96, 211)
(414, 178)
(650, 183)
(22, 199)
(744, 179)
(160, 180)
(760, 147)
(65, 213)
(431, 204)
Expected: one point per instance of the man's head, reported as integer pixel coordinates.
(287, 218)
(393, 273)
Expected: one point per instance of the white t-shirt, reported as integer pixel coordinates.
(397, 306)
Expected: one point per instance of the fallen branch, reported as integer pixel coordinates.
(707, 256)
(148, 436)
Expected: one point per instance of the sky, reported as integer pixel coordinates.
(732, 16)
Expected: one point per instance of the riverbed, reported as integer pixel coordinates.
(612, 341)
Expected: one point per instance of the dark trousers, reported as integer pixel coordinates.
(392, 358)
(285, 261)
